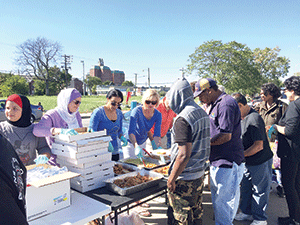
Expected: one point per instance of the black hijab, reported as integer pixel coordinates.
(24, 121)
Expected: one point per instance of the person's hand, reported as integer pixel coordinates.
(153, 145)
(267, 128)
(272, 130)
(125, 142)
(110, 147)
(139, 152)
(41, 159)
(69, 131)
(90, 130)
(171, 185)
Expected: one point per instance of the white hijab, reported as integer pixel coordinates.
(63, 100)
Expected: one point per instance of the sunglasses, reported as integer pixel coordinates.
(114, 104)
(152, 102)
(77, 102)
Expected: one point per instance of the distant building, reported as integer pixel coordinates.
(105, 74)
(77, 84)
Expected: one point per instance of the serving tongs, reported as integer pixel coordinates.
(143, 161)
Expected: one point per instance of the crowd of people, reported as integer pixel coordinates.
(242, 147)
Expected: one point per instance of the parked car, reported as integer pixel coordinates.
(36, 114)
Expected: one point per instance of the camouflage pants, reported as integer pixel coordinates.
(185, 203)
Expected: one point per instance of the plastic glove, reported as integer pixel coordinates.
(154, 147)
(41, 159)
(68, 131)
(125, 142)
(110, 147)
(139, 152)
(90, 130)
(272, 130)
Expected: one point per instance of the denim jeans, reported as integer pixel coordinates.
(255, 189)
(225, 192)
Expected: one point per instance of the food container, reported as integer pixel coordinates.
(127, 167)
(137, 162)
(127, 191)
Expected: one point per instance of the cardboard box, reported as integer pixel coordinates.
(48, 195)
(99, 158)
(80, 136)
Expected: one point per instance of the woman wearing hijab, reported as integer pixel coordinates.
(63, 119)
(17, 129)
(109, 117)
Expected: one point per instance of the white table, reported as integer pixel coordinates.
(82, 210)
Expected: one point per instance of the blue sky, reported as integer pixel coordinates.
(134, 35)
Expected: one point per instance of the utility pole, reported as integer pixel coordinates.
(83, 84)
(67, 61)
(182, 70)
(135, 83)
(149, 77)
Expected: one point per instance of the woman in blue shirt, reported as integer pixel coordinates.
(110, 117)
(142, 119)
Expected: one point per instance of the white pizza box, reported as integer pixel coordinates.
(48, 195)
(82, 145)
(92, 183)
(91, 171)
(80, 148)
(85, 166)
(78, 155)
(95, 174)
(80, 136)
(103, 157)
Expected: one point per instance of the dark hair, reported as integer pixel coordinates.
(193, 85)
(239, 98)
(293, 84)
(114, 93)
(271, 89)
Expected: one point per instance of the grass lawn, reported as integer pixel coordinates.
(88, 103)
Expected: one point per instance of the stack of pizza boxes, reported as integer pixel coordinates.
(86, 154)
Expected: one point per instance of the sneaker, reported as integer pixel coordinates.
(286, 221)
(242, 216)
(259, 222)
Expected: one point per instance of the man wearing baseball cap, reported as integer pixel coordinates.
(227, 152)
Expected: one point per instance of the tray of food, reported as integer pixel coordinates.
(123, 168)
(129, 183)
(150, 163)
(161, 152)
(163, 170)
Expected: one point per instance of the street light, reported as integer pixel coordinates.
(83, 85)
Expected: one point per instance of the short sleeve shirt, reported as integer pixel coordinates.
(183, 131)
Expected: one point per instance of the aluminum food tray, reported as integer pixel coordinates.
(127, 191)
(159, 163)
(128, 167)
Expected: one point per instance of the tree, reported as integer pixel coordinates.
(36, 56)
(92, 82)
(127, 83)
(108, 82)
(14, 85)
(270, 65)
(230, 64)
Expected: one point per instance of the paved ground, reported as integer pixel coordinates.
(277, 207)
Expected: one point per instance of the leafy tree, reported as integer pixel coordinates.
(127, 83)
(36, 56)
(297, 74)
(14, 85)
(4, 77)
(108, 82)
(270, 65)
(92, 82)
(230, 64)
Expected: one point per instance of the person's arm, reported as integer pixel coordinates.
(255, 148)
(44, 127)
(280, 129)
(42, 147)
(132, 139)
(183, 157)
(95, 119)
(220, 139)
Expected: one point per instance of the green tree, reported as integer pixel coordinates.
(270, 65)
(127, 83)
(14, 85)
(108, 82)
(92, 82)
(37, 56)
(230, 64)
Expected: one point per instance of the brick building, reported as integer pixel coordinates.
(105, 74)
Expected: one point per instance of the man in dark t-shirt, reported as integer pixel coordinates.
(12, 185)
(255, 186)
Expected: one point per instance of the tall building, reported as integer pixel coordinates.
(105, 74)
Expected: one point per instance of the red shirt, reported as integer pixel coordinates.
(167, 119)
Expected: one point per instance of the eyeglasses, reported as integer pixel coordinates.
(77, 102)
(115, 103)
(152, 102)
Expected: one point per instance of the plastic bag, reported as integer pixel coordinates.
(124, 219)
